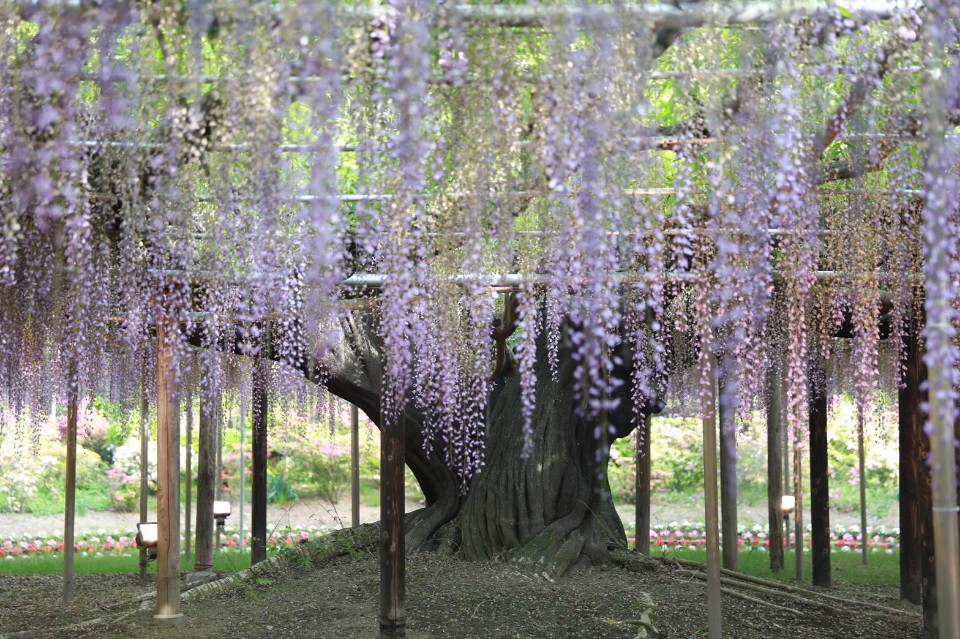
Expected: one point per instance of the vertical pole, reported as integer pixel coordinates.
(708, 407)
(258, 507)
(861, 455)
(798, 499)
(218, 430)
(168, 481)
(70, 500)
(392, 560)
(205, 483)
(642, 528)
(728, 470)
(939, 293)
(355, 466)
(911, 471)
(243, 461)
(819, 483)
(927, 544)
(775, 466)
(188, 484)
(144, 464)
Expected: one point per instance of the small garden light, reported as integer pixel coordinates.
(787, 504)
(221, 510)
(147, 537)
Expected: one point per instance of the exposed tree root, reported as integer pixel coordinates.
(802, 594)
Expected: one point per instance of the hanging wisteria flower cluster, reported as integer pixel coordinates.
(657, 197)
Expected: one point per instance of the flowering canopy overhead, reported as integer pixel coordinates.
(653, 184)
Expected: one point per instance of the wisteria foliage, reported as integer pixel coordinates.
(223, 169)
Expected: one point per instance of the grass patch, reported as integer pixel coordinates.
(882, 569)
(112, 564)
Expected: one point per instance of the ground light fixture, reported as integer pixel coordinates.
(221, 510)
(147, 537)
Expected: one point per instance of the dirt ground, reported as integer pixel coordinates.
(445, 597)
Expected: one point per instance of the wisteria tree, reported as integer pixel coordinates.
(513, 237)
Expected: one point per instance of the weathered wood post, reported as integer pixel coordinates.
(392, 559)
(206, 477)
(775, 466)
(188, 482)
(258, 505)
(168, 479)
(355, 466)
(819, 481)
(144, 464)
(708, 403)
(728, 468)
(70, 498)
(911, 471)
(642, 526)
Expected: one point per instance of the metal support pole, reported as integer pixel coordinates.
(70, 499)
(168, 485)
(939, 292)
(642, 527)
(392, 560)
(711, 498)
(355, 466)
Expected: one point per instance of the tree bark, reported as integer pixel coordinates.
(819, 486)
(206, 478)
(258, 506)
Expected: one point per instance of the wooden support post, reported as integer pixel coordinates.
(144, 464)
(70, 499)
(392, 559)
(728, 469)
(243, 462)
(168, 480)
(219, 480)
(798, 501)
(355, 466)
(642, 527)
(188, 482)
(711, 499)
(819, 484)
(927, 554)
(206, 490)
(775, 466)
(862, 469)
(911, 471)
(258, 506)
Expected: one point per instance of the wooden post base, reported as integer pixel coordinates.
(167, 620)
(392, 628)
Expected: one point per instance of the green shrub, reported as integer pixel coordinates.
(279, 491)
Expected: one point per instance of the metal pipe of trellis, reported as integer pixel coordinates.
(655, 15)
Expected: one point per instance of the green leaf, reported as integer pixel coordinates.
(844, 12)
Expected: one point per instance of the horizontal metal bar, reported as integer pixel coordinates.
(660, 15)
